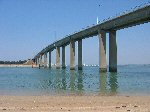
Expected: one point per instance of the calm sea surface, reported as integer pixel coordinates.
(130, 80)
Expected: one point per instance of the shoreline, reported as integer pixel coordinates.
(75, 103)
(16, 65)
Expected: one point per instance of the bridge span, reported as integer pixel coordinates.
(133, 18)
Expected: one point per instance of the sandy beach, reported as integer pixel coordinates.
(16, 65)
(75, 103)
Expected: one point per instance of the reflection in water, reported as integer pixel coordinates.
(64, 85)
(103, 83)
(62, 80)
(45, 82)
(19, 81)
(57, 81)
(76, 81)
(113, 83)
(80, 80)
(72, 80)
(108, 80)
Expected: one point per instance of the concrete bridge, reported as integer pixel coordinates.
(135, 17)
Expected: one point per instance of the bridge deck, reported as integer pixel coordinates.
(139, 16)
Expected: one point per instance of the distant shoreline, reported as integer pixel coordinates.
(16, 65)
(34, 65)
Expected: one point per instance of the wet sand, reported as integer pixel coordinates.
(75, 103)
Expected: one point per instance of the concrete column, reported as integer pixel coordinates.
(63, 57)
(50, 59)
(37, 61)
(45, 60)
(112, 52)
(40, 61)
(72, 55)
(57, 57)
(102, 51)
(79, 54)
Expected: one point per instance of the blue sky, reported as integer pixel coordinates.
(27, 26)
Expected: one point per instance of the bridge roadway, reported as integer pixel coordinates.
(136, 17)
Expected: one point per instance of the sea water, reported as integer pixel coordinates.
(129, 80)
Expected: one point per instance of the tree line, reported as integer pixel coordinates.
(13, 62)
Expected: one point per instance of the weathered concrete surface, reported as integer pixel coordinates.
(63, 57)
(40, 64)
(112, 51)
(63, 42)
(50, 59)
(102, 52)
(57, 57)
(36, 61)
(72, 55)
(79, 54)
(45, 60)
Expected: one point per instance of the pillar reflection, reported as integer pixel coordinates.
(113, 83)
(108, 83)
(57, 83)
(103, 83)
(80, 80)
(76, 82)
(72, 80)
(64, 84)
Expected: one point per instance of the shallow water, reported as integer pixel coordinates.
(130, 80)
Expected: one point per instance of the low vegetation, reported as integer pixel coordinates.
(13, 62)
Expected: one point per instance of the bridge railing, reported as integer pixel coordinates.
(116, 16)
(126, 12)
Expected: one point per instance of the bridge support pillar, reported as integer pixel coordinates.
(49, 59)
(72, 55)
(63, 57)
(102, 52)
(57, 57)
(112, 51)
(40, 61)
(80, 54)
(45, 60)
(37, 61)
